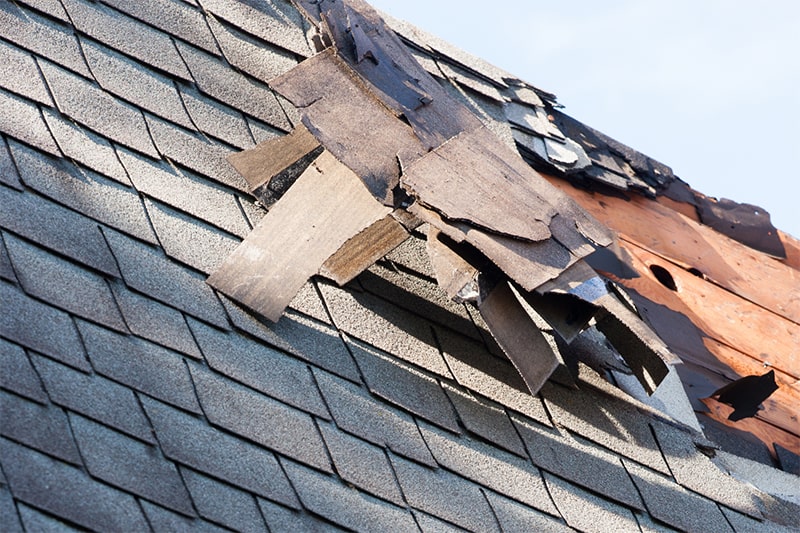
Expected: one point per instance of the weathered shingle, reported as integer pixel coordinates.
(17, 374)
(140, 364)
(20, 74)
(23, 120)
(43, 427)
(260, 419)
(95, 397)
(91, 106)
(64, 284)
(343, 505)
(191, 441)
(130, 465)
(68, 492)
(222, 503)
(40, 327)
(513, 516)
(216, 119)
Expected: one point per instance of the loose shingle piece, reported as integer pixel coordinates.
(397, 261)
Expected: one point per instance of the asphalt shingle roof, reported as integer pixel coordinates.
(135, 397)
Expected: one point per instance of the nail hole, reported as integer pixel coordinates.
(664, 277)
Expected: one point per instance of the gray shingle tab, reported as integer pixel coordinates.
(252, 56)
(276, 22)
(385, 326)
(445, 495)
(68, 492)
(148, 271)
(260, 367)
(486, 419)
(405, 386)
(586, 512)
(86, 192)
(232, 88)
(63, 284)
(164, 520)
(675, 505)
(57, 228)
(572, 459)
(6, 269)
(216, 119)
(40, 327)
(17, 373)
(130, 465)
(356, 412)
(601, 418)
(8, 170)
(362, 464)
(172, 16)
(191, 441)
(83, 101)
(40, 522)
(223, 504)
(127, 35)
(140, 364)
(44, 428)
(189, 240)
(19, 74)
(85, 147)
(42, 36)
(95, 397)
(301, 336)
(695, 471)
(23, 120)
(431, 524)
(326, 496)
(195, 152)
(155, 321)
(135, 83)
(50, 7)
(513, 516)
(260, 419)
(502, 472)
(283, 520)
(262, 132)
(185, 191)
(9, 518)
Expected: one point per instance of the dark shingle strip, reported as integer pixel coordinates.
(43, 427)
(68, 492)
(64, 284)
(40, 327)
(23, 120)
(17, 373)
(191, 441)
(95, 397)
(42, 36)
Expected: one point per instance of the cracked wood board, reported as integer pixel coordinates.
(325, 207)
(363, 249)
(341, 111)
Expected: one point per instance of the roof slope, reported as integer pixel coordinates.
(135, 397)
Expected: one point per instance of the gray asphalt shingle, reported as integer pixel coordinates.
(8, 170)
(68, 492)
(513, 516)
(23, 120)
(95, 397)
(17, 373)
(130, 465)
(222, 503)
(164, 520)
(64, 284)
(9, 517)
(20, 74)
(51, 7)
(283, 520)
(191, 441)
(33, 520)
(216, 119)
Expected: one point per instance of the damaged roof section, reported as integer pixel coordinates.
(384, 148)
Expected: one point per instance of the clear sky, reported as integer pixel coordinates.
(709, 87)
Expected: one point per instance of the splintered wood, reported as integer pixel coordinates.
(291, 242)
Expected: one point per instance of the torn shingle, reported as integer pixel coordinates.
(222, 503)
(404, 386)
(127, 35)
(130, 465)
(80, 100)
(95, 397)
(42, 427)
(23, 120)
(63, 284)
(190, 441)
(170, 383)
(20, 74)
(67, 491)
(42, 36)
(17, 374)
(356, 412)
(40, 327)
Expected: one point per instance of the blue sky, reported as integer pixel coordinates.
(708, 87)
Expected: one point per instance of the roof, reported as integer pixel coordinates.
(135, 396)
